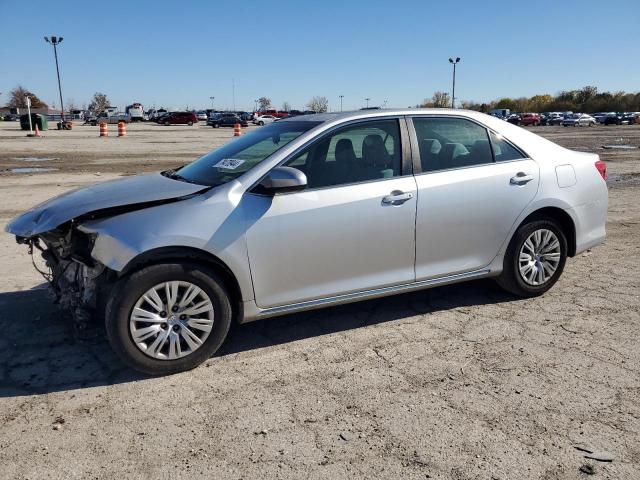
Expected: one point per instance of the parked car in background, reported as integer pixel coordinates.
(578, 120)
(615, 118)
(532, 119)
(246, 116)
(554, 119)
(264, 119)
(629, 118)
(110, 116)
(514, 119)
(264, 226)
(153, 114)
(201, 115)
(135, 112)
(11, 117)
(599, 116)
(179, 118)
(273, 113)
(226, 120)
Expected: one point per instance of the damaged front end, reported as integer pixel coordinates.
(76, 280)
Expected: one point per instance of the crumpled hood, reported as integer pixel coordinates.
(115, 193)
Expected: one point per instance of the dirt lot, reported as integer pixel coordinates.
(458, 382)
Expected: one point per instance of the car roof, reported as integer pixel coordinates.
(361, 114)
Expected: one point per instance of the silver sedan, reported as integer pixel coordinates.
(312, 211)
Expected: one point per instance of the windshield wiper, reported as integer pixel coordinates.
(176, 176)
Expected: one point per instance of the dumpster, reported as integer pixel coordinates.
(36, 119)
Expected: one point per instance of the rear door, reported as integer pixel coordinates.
(472, 186)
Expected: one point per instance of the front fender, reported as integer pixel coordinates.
(213, 225)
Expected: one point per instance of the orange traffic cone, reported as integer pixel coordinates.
(122, 129)
(237, 130)
(104, 132)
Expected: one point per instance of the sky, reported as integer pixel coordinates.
(179, 54)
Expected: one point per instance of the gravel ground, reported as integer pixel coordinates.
(458, 382)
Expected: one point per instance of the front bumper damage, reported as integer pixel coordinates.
(76, 280)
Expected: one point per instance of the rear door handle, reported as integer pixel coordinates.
(521, 178)
(397, 197)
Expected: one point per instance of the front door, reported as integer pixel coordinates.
(352, 229)
(473, 186)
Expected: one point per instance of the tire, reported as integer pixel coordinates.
(129, 292)
(166, 124)
(190, 124)
(261, 124)
(511, 278)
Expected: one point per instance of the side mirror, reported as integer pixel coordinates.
(283, 179)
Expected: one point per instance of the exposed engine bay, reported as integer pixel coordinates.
(75, 279)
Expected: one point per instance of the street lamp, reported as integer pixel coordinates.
(255, 106)
(55, 41)
(384, 104)
(367, 99)
(211, 98)
(341, 97)
(454, 62)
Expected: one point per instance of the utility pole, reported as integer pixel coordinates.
(55, 41)
(453, 90)
(341, 97)
(367, 99)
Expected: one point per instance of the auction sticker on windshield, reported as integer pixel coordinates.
(229, 163)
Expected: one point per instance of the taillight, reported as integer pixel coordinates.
(602, 168)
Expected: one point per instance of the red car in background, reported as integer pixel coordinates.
(275, 113)
(530, 119)
(179, 118)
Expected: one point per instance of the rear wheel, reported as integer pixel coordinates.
(168, 318)
(534, 259)
(190, 124)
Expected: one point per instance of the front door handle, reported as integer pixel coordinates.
(397, 197)
(521, 178)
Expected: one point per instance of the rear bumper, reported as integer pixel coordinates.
(590, 221)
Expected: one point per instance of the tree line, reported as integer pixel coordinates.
(588, 99)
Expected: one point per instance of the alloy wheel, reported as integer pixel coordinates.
(171, 320)
(539, 257)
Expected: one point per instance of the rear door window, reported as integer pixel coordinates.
(504, 151)
(446, 143)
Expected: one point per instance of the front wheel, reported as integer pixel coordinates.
(168, 318)
(261, 124)
(534, 259)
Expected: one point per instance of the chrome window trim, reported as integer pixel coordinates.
(413, 137)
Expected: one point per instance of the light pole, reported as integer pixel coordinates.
(255, 106)
(212, 98)
(367, 99)
(384, 104)
(453, 92)
(55, 41)
(341, 97)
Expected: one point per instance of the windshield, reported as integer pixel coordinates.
(239, 156)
